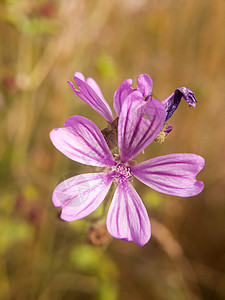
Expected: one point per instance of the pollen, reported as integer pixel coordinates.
(161, 137)
(122, 172)
(163, 133)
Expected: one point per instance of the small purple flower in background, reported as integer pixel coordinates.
(139, 124)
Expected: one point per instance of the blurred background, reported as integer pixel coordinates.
(42, 43)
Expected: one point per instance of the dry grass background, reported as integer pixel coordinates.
(178, 43)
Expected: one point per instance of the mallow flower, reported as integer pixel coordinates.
(139, 124)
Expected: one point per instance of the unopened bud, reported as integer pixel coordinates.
(98, 235)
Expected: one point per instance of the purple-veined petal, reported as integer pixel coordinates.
(82, 141)
(81, 195)
(92, 95)
(144, 84)
(172, 174)
(127, 217)
(139, 124)
(120, 95)
(96, 88)
(171, 103)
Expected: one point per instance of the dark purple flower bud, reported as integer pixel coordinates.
(171, 103)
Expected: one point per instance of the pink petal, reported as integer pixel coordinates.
(79, 75)
(92, 95)
(139, 124)
(81, 195)
(173, 174)
(144, 84)
(96, 88)
(127, 217)
(120, 95)
(82, 141)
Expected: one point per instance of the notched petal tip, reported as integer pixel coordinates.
(72, 86)
(172, 174)
(79, 82)
(199, 186)
(144, 84)
(201, 162)
(198, 161)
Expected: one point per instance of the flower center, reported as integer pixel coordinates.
(122, 172)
